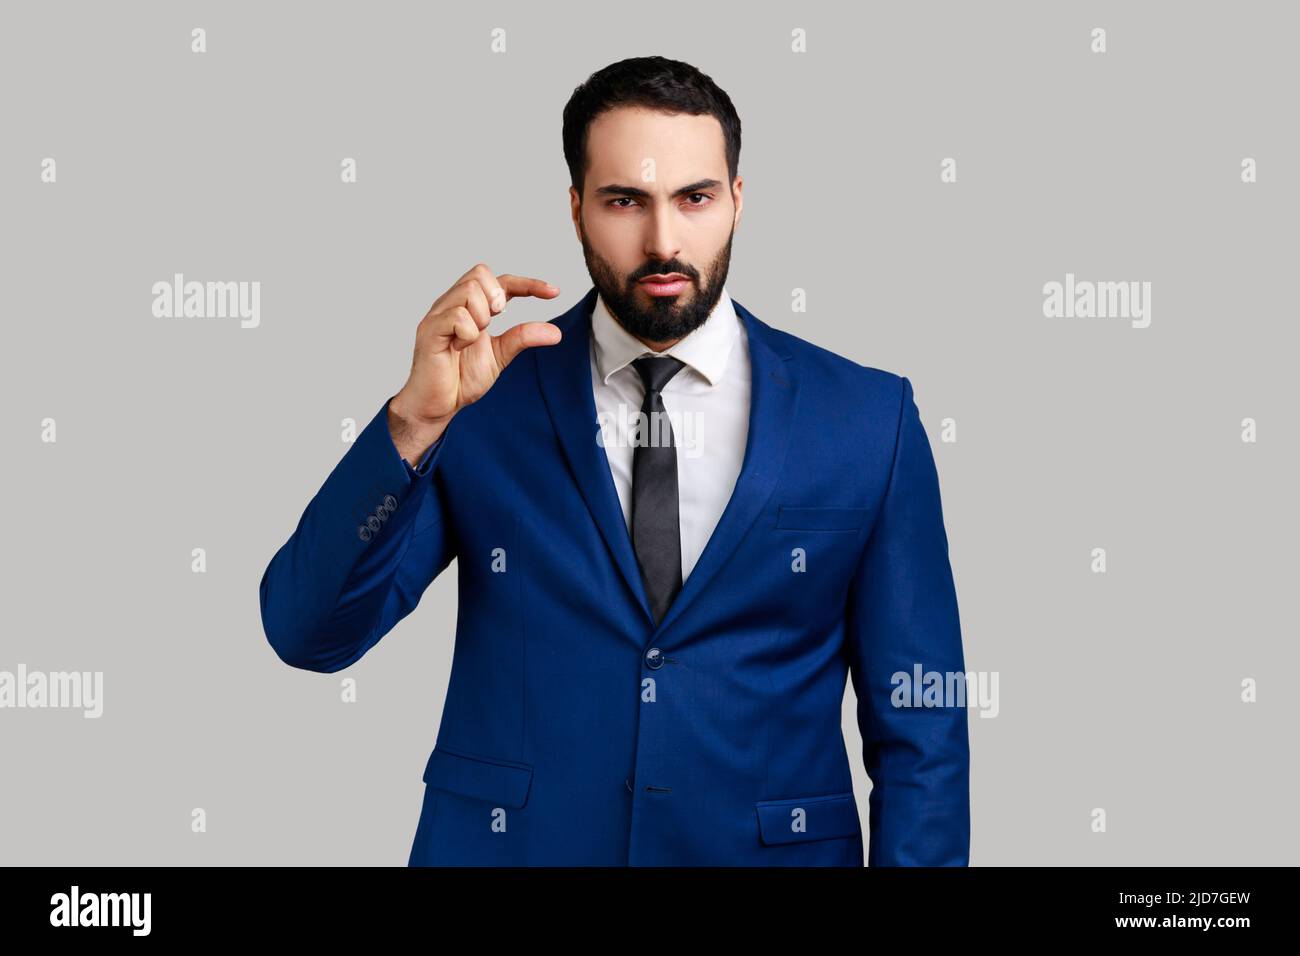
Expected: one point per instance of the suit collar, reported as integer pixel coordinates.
(564, 374)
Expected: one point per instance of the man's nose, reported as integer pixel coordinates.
(661, 242)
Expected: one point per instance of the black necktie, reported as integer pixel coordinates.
(656, 532)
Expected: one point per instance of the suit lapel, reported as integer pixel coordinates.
(773, 397)
(564, 373)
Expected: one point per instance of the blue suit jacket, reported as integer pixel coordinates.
(575, 731)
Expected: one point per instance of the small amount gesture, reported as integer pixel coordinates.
(456, 361)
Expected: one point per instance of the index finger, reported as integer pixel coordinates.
(516, 286)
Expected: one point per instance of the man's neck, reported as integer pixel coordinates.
(657, 346)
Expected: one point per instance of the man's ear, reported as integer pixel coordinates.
(575, 210)
(738, 199)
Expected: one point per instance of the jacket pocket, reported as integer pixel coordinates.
(820, 519)
(801, 819)
(502, 783)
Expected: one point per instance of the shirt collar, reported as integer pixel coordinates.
(706, 349)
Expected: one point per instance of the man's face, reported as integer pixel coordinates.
(656, 201)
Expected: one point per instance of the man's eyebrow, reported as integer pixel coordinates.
(616, 190)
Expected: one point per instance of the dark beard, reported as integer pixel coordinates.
(666, 318)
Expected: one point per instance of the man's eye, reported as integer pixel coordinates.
(629, 199)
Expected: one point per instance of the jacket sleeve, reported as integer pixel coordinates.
(902, 615)
(369, 543)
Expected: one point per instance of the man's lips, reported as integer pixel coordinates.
(671, 284)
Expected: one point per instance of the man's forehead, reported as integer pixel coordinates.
(647, 133)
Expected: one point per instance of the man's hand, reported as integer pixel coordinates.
(455, 362)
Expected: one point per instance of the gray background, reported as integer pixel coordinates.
(1118, 690)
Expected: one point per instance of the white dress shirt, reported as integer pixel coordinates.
(707, 402)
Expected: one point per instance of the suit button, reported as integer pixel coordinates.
(654, 658)
(390, 502)
(381, 513)
(363, 533)
(372, 523)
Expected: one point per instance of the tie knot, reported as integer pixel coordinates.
(656, 370)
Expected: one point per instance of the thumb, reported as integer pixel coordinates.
(525, 335)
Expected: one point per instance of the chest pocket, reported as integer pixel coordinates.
(820, 519)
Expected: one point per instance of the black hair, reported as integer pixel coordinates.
(650, 82)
